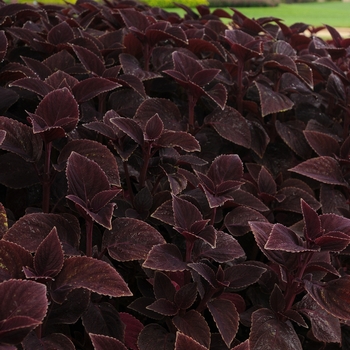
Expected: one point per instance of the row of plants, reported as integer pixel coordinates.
(172, 182)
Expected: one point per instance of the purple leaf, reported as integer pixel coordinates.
(87, 182)
(165, 257)
(243, 275)
(164, 307)
(165, 213)
(180, 139)
(284, 239)
(271, 101)
(332, 222)
(91, 62)
(35, 85)
(48, 259)
(141, 306)
(218, 94)
(154, 336)
(194, 325)
(185, 214)
(225, 167)
(19, 139)
(60, 34)
(236, 221)
(94, 275)
(30, 230)
(3, 45)
(129, 127)
(332, 200)
(321, 143)
(52, 118)
(184, 342)
(332, 296)
(89, 88)
(312, 227)
(230, 125)
(265, 326)
(243, 346)
(134, 19)
(95, 151)
(130, 239)
(163, 286)
(324, 169)
(226, 249)
(57, 341)
(103, 318)
(226, 318)
(186, 296)
(103, 342)
(154, 128)
(12, 259)
(206, 272)
(324, 326)
(23, 306)
(132, 330)
(60, 79)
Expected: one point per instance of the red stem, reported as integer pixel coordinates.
(89, 230)
(47, 178)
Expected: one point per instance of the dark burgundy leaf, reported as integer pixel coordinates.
(248, 200)
(226, 318)
(70, 311)
(103, 318)
(332, 222)
(206, 272)
(94, 275)
(54, 118)
(60, 79)
(16, 172)
(277, 301)
(48, 259)
(165, 213)
(3, 45)
(218, 94)
(129, 127)
(312, 227)
(332, 200)
(231, 125)
(91, 62)
(225, 167)
(321, 143)
(226, 249)
(60, 34)
(12, 259)
(180, 139)
(57, 341)
(154, 128)
(23, 306)
(30, 230)
(266, 182)
(36, 85)
(194, 325)
(154, 336)
(186, 296)
(95, 151)
(37, 66)
(292, 134)
(332, 296)
(164, 307)
(165, 257)
(243, 346)
(325, 327)
(130, 239)
(133, 328)
(89, 189)
(134, 19)
(284, 239)
(19, 139)
(265, 326)
(243, 275)
(163, 286)
(291, 202)
(324, 169)
(185, 213)
(89, 88)
(166, 110)
(133, 82)
(184, 342)
(103, 342)
(236, 221)
(141, 306)
(271, 101)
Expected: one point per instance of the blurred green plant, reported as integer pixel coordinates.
(171, 3)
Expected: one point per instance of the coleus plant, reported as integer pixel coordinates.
(171, 181)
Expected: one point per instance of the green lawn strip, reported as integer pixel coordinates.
(315, 14)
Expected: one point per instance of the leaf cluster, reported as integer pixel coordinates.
(172, 182)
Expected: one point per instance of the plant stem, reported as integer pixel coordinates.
(46, 183)
(89, 230)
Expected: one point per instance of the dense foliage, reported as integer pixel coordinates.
(171, 182)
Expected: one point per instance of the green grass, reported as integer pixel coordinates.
(333, 13)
